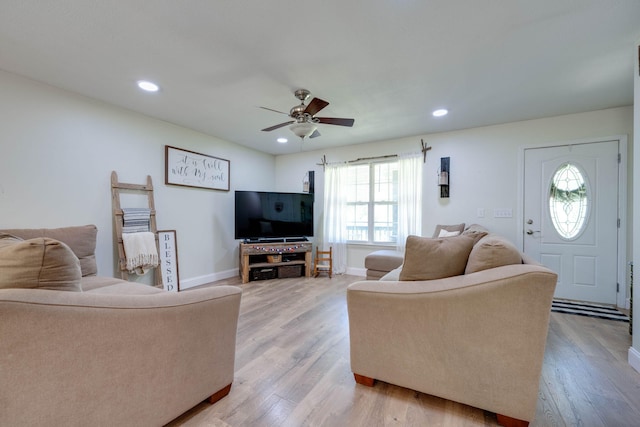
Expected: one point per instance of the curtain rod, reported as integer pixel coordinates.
(323, 160)
(425, 148)
(362, 159)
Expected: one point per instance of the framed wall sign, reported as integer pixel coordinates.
(167, 244)
(191, 169)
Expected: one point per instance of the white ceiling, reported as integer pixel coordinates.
(386, 63)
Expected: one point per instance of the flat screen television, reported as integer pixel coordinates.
(272, 216)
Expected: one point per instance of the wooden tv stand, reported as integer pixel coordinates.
(254, 256)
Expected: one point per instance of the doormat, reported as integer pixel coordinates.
(588, 309)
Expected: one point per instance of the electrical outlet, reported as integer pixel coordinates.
(480, 213)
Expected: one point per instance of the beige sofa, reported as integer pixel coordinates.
(104, 351)
(475, 337)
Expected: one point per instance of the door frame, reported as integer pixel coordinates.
(622, 296)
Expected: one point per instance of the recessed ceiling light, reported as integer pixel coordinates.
(148, 86)
(282, 140)
(441, 112)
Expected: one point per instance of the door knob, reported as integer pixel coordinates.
(530, 231)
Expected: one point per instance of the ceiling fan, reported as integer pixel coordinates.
(304, 123)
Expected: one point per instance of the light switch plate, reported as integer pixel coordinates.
(503, 213)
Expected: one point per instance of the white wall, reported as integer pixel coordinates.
(485, 167)
(57, 151)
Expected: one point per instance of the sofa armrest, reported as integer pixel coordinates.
(91, 358)
(477, 339)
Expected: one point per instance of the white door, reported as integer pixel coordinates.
(571, 217)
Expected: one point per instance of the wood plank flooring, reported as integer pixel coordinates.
(292, 369)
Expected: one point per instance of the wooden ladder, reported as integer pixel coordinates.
(118, 213)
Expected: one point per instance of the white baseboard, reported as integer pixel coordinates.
(207, 278)
(634, 358)
(357, 271)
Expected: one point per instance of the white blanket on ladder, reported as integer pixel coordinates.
(140, 251)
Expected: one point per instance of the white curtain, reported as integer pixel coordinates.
(334, 226)
(409, 197)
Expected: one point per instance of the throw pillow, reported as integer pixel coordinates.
(476, 231)
(450, 228)
(492, 251)
(475, 228)
(81, 240)
(427, 258)
(40, 263)
(445, 233)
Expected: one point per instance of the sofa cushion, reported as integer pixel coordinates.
(459, 228)
(383, 260)
(476, 231)
(121, 287)
(81, 240)
(41, 263)
(492, 251)
(427, 258)
(89, 283)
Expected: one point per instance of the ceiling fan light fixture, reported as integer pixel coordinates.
(303, 129)
(304, 121)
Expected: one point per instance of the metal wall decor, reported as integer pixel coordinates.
(444, 177)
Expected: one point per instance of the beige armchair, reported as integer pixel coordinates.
(105, 352)
(477, 338)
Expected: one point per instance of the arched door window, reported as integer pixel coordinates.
(569, 201)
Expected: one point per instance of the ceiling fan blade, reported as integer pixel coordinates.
(335, 121)
(275, 111)
(314, 134)
(277, 126)
(315, 105)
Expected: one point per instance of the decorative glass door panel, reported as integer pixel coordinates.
(569, 201)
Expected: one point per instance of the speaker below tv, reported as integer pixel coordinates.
(267, 216)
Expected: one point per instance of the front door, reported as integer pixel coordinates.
(571, 217)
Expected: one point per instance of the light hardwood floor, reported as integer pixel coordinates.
(292, 369)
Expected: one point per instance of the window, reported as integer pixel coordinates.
(568, 201)
(372, 202)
